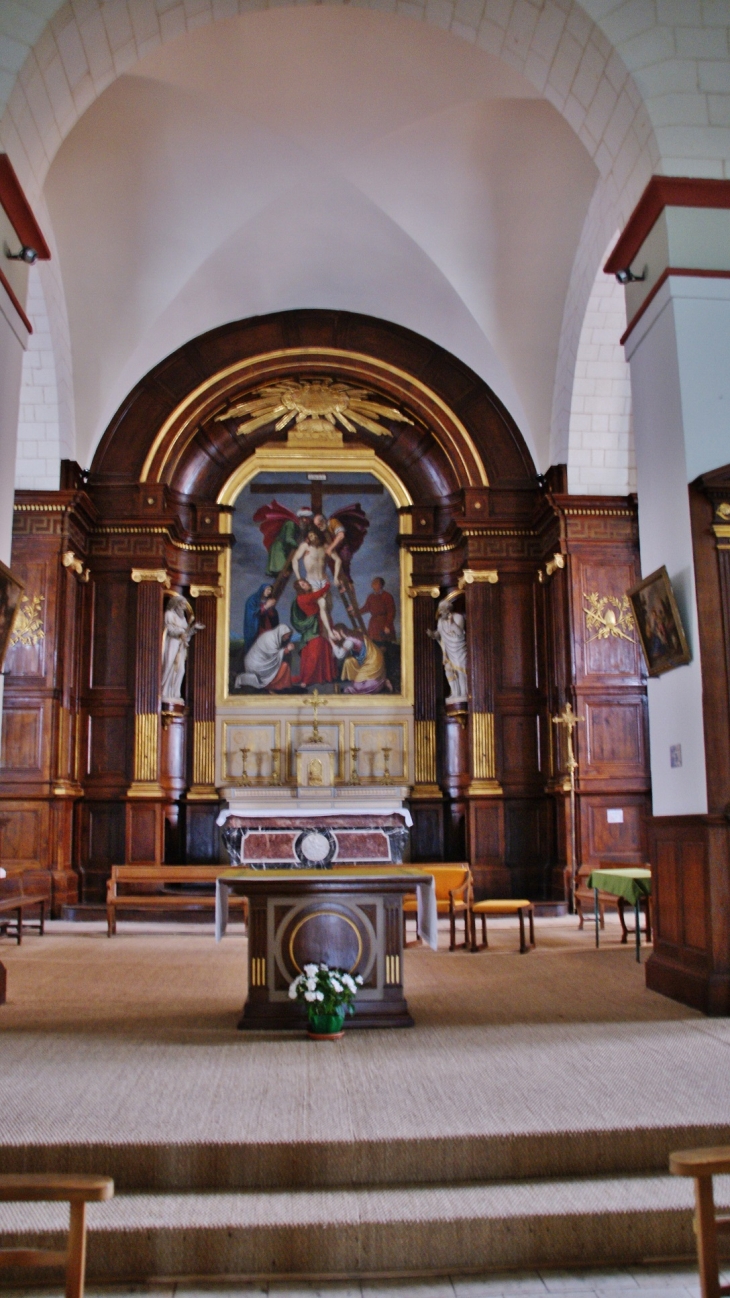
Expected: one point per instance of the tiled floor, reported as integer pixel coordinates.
(644, 1282)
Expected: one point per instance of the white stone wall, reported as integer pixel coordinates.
(601, 441)
(38, 453)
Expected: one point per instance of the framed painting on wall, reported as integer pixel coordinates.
(315, 586)
(658, 623)
(11, 593)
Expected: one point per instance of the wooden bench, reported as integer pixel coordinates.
(15, 906)
(77, 1191)
(23, 893)
(703, 1164)
(151, 883)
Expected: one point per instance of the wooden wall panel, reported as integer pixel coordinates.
(519, 747)
(110, 621)
(107, 745)
(517, 657)
(694, 896)
(604, 841)
(25, 836)
(608, 656)
(22, 740)
(614, 731)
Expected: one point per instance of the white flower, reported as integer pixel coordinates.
(310, 970)
(311, 984)
(347, 980)
(335, 984)
(319, 996)
(310, 996)
(325, 967)
(358, 980)
(293, 992)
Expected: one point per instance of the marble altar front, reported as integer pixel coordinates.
(306, 828)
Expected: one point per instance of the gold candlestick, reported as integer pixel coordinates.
(275, 765)
(386, 766)
(244, 754)
(354, 773)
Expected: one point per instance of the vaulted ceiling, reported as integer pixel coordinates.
(320, 157)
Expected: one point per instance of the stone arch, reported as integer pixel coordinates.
(559, 48)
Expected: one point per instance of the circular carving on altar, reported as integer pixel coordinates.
(325, 937)
(315, 848)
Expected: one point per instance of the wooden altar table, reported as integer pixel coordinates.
(350, 919)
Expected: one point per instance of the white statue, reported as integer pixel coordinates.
(180, 627)
(450, 634)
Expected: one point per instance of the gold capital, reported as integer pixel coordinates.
(415, 591)
(470, 575)
(197, 591)
(151, 574)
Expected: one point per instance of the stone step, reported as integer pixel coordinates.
(379, 1231)
(271, 1165)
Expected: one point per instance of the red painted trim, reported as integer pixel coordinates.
(687, 271)
(6, 285)
(18, 210)
(661, 192)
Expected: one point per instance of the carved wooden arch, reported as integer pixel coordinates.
(166, 431)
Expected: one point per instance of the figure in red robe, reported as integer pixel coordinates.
(309, 618)
(381, 607)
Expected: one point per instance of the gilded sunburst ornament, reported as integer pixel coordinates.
(313, 402)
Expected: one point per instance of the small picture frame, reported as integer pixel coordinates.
(11, 593)
(658, 623)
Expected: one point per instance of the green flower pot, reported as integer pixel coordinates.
(326, 1025)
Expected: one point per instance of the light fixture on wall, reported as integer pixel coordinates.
(26, 254)
(627, 276)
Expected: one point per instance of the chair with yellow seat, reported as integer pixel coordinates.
(453, 890)
(501, 906)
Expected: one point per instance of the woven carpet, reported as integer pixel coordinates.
(267, 1153)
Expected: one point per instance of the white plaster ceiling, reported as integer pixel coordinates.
(319, 157)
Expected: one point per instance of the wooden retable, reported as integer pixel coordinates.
(350, 919)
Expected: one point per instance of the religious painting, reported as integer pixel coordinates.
(658, 622)
(315, 586)
(11, 593)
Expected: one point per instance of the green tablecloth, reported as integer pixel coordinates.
(630, 882)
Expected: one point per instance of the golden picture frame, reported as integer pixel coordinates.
(11, 594)
(658, 623)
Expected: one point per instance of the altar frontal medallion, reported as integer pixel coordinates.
(315, 849)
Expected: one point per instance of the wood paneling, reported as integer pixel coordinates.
(615, 736)
(22, 738)
(111, 596)
(601, 840)
(107, 745)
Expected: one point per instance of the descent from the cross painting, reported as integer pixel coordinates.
(315, 586)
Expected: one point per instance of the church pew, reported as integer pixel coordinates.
(149, 883)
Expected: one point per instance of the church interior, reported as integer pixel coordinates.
(364, 640)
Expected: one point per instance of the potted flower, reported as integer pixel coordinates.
(328, 995)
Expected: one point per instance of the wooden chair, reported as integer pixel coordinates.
(453, 889)
(75, 1190)
(501, 906)
(584, 898)
(703, 1164)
